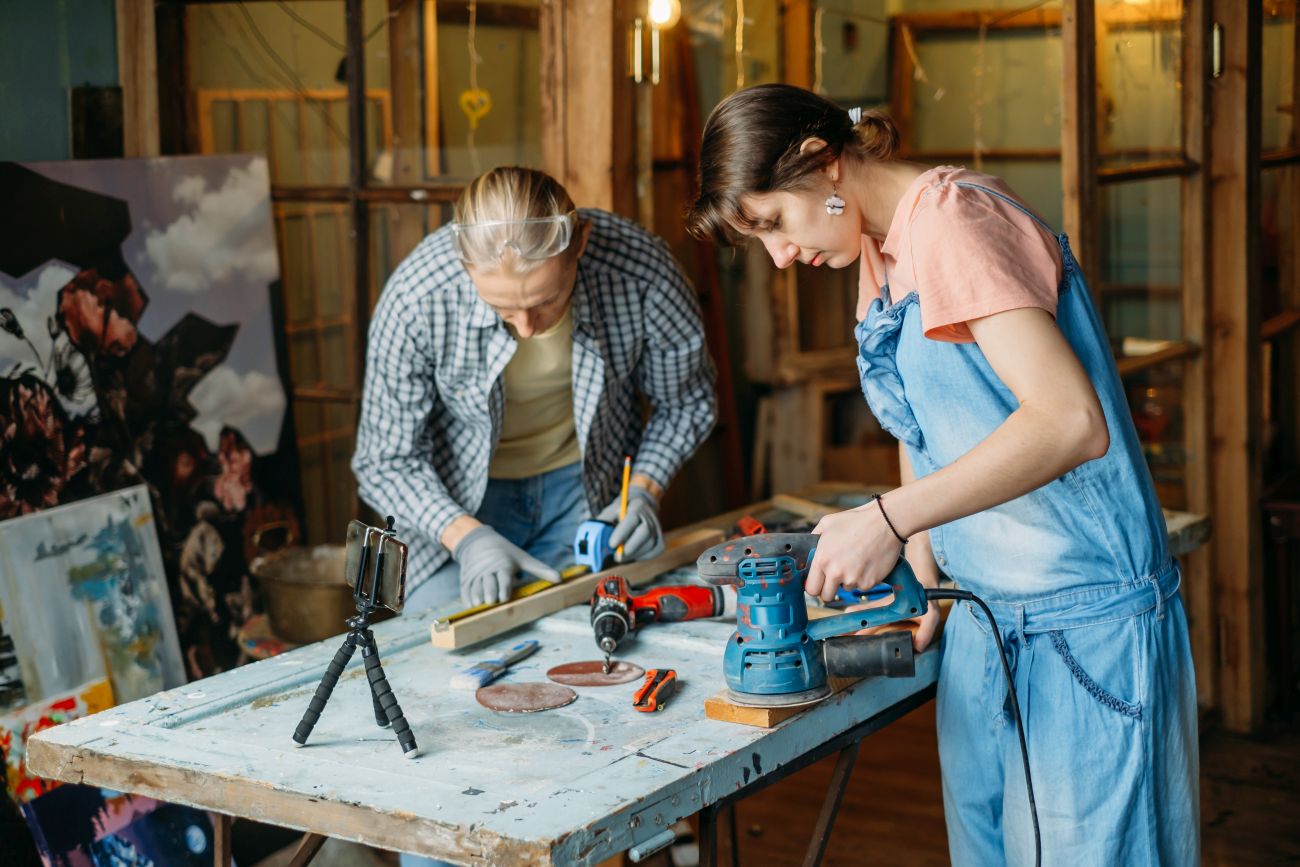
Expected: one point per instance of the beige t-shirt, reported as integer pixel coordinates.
(537, 431)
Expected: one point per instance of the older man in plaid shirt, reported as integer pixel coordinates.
(506, 364)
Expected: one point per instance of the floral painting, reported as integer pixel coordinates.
(138, 346)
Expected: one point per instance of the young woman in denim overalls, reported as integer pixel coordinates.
(1023, 481)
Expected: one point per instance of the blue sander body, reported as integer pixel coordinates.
(777, 657)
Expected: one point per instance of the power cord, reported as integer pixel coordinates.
(967, 596)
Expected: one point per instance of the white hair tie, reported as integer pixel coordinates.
(855, 115)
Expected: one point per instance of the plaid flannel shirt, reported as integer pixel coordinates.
(433, 400)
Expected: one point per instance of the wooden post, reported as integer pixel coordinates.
(1197, 593)
(137, 69)
(1234, 365)
(589, 135)
(411, 37)
(1080, 205)
(797, 43)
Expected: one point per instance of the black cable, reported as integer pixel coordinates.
(967, 596)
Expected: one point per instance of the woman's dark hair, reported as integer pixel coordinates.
(751, 145)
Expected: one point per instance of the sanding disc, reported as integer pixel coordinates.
(785, 699)
(592, 673)
(524, 697)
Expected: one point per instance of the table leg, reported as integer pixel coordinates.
(709, 836)
(307, 849)
(831, 806)
(735, 842)
(221, 845)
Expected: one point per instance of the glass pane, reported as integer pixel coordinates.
(443, 115)
(1279, 225)
(1156, 401)
(395, 230)
(993, 91)
(1279, 77)
(316, 253)
(1140, 284)
(269, 77)
(325, 443)
(1139, 81)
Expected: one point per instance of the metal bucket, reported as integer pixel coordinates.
(307, 598)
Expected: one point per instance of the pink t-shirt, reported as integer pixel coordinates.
(965, 253)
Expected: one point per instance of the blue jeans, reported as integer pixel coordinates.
(540, 514)
(1109, 707)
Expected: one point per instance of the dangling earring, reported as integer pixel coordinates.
(834, 204)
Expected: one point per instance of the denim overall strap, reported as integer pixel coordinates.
(1013, 203)
(1098, 525)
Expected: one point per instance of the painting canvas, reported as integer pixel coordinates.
(117, 830)
(86, 595)
(18, 725)
(138, 324)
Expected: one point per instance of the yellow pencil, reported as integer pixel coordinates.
(622, 507)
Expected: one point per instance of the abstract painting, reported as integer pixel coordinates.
(138, 345)
(84, 587)
(18, 725)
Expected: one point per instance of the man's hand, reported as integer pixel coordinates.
(639, 533)
(488, 564)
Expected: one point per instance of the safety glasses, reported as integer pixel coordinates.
(484, 244)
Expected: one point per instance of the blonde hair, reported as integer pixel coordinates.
(511, 193)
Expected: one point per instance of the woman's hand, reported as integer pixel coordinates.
(923, 628)
(856, 550)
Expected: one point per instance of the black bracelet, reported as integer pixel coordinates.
(880, 501)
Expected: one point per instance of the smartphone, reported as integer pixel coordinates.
(370, 550)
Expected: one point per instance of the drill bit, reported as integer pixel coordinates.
(605, 669)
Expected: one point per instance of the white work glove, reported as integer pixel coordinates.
(488, 565)
(639, 533)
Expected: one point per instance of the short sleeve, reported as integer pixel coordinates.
(974, 254)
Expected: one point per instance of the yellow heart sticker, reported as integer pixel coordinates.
(476, 103)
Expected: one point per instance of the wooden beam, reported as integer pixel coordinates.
(1080, 199)
(137, 69)
(797, 48)
(412, 151)
(1234, 365)
(588, 132)
(683, 550)
(1196, 589)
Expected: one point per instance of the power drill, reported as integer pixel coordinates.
(615, 611)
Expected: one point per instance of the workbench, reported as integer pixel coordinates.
(575, 785)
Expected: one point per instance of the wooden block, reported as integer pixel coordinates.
(719, 707)
(682, 550)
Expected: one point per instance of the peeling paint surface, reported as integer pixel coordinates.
(568, 786)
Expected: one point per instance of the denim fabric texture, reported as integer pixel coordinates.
(1079, 577)
(539, 514)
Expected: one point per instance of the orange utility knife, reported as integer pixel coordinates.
(659, 686)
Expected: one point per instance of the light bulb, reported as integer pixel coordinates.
(664, 14)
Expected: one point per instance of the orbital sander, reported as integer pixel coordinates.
(777, 657)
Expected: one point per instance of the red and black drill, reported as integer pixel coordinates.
(615, 612)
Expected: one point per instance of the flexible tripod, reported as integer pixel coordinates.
(365, 592)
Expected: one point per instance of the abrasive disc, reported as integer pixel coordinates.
(524, 697)
(592, 673)
(784, 699)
